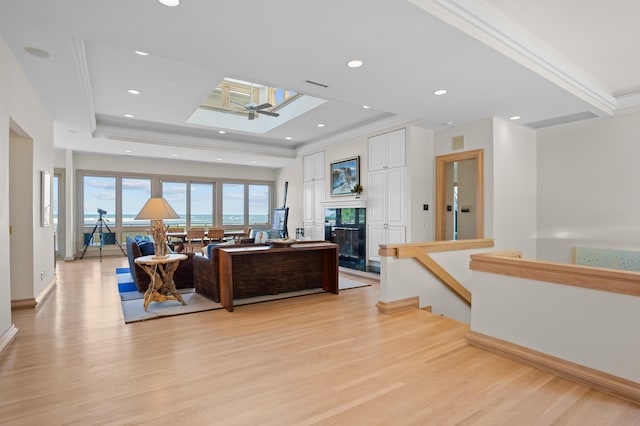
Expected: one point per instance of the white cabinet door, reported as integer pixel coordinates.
(376, 237)
(377, 148)
(308, 230)
(309, 201)
(318, 195)
(307, 167)
(395, 196)
(395, 148)
(318, 166)
(377, 197)
(395, 235)
(313, 166)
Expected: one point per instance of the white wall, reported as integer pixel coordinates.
(514, 187)
(509, 216)
(20, 103)
(404, 278)
(21, 210)
(593, 328)
(477, 135)
(588, 173)
(420, 184)
(292, 174)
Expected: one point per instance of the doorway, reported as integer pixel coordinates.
(459, 196)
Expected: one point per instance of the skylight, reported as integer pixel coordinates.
(228, 106)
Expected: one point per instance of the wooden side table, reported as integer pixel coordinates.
(161, 269)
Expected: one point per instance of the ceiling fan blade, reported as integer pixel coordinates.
(263, 106)
(272, 114)
(243, 106)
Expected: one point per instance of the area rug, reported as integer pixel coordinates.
(133, 303)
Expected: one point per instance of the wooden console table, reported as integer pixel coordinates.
(264, 270)
(161, 269)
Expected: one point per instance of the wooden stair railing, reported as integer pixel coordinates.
(419, 252)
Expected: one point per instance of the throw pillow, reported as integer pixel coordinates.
(146, 248)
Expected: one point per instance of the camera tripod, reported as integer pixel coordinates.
(98, 226)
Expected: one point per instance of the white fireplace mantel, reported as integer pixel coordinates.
(360, 203)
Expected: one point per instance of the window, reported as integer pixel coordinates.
(99, 192)
(201, 203)
(259, 197)
(233, 204)
(135, 193)
(176, 195)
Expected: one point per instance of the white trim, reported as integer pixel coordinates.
(344, 204)
(46, 291)
(8, 336)
(474, 19)
(82, 68)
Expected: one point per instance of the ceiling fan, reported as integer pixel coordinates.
(258, 109)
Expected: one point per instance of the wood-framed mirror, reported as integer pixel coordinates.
(460, 195)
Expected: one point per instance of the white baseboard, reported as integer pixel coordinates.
(8, 336)
(46, 291)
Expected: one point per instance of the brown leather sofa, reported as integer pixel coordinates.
(183, 276)
(206, 273)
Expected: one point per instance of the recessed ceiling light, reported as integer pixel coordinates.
(129, 115)
(128, 151)
(254, 162)
(288, 138)
(170, 3)
(218, 159)
(141, 53)
(39, 53)
(174, 155)
(440, 92)
(134, 91)
(355, 63)
(222, 132)
(448, 123)
(515, 117)
(320, 125)
(366, 106)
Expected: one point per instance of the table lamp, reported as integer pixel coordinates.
(156, 209)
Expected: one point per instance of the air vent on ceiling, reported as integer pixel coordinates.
(586, 115)
(315, 83)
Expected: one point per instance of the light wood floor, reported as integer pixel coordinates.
(320, 359)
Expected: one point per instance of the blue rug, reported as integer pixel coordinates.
(125, 282)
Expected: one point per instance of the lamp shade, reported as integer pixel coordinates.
(157, 208)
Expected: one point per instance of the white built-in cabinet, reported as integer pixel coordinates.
(313, 172)
(386, 215)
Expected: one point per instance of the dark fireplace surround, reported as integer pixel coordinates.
(347, 227)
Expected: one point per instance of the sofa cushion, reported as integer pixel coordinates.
(146, 248)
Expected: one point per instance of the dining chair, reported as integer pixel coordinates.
(215, 235)
(194, 236)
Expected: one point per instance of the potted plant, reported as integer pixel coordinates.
(357, 189)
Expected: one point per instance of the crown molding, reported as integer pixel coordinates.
(366, 130)
(187, 141)
(474, 19)
(82, 68)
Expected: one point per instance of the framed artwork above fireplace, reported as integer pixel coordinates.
(344, 175)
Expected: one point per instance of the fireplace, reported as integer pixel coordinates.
(346, 226)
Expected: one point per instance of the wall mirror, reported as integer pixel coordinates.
(460, 196)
